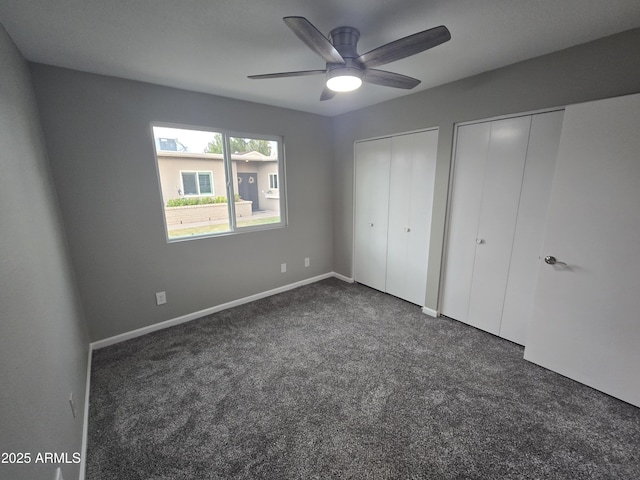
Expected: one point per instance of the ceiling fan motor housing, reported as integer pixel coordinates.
(345, 40)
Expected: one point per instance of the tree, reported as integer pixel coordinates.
(215, 145)
(262, 146)
(239, 145)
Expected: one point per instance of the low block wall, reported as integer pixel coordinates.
(204, 213)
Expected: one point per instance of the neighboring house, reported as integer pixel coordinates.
(185, 174)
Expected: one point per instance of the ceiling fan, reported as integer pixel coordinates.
(346, 69)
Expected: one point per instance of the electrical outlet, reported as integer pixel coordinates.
(307, 262)
(58, 474)
(283, 268)
(161, 298)
(72, 404)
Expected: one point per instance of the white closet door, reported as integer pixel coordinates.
(411, 184)
(532, 214)
(373, 161)
(472, 143)
(498, 211)
(585, 313)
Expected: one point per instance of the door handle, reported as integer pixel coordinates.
(407, 229)
(551, 260)
(479, 241)
(371, 224)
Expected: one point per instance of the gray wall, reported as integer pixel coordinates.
(101, 153)
(604, 68)
(43, 339)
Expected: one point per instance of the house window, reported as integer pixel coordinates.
(197, 183)
(273, 181)
(273, 191)
(210, 167)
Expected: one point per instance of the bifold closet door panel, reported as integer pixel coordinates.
(472, 144)
(496, 226)
(544, 139)
(411, 184)
(425, 153)
(373, 161)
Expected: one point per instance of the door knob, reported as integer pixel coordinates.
(371, 224)
(551, 260)
(479, 241)
(407, 229)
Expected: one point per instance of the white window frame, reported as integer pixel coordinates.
(197, 173)
(234, 229)
(273, 179)
(273, 192)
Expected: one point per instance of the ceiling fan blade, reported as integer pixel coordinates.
(302, 73)
(327, 94)
(389, 79)
(405, 47)
(314, 39)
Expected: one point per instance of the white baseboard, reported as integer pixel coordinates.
(430, 312)
(85, 420)
(208, 311)
(342, 277)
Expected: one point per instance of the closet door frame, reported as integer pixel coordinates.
(447, 226)
(355, 173)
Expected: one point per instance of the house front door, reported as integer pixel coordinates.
(248, 189)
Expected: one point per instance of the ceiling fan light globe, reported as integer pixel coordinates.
(343, 79)
(344, 83)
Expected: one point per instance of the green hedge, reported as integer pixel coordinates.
(188, 201)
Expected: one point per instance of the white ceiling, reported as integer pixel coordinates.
(211, 46)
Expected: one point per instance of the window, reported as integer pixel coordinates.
(194, 181)
(273, 191)
(273, 181)
(197, 183)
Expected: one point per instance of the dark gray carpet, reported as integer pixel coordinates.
(334, 380)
